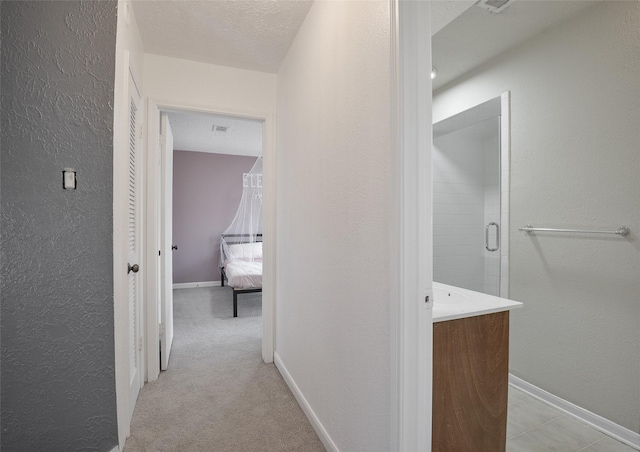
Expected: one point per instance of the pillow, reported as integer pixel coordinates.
(246, 251)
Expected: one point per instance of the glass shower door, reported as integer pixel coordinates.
(466, 203)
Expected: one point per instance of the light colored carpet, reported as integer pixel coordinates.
(217, 394)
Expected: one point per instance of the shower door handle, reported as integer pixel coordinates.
(486, 236)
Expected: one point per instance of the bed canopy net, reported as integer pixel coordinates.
(241, 242)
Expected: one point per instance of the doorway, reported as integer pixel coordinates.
(155, 210)
(217, 213)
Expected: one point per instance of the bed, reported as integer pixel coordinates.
(242, 265)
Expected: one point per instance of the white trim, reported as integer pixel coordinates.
(411, 241)
(322, 433)
(116, 449)
(505, 181)
(269, 222)
(120, 286)
(609, 428)
(193, 285)
(152, 238)
(166, 234)
(269, 153)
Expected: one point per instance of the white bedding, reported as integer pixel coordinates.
(244, 274)
(244, 251)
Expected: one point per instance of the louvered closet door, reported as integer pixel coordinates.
(133, 245)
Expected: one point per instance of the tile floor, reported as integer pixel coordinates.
(533, 426)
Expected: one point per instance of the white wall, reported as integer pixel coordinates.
(333, 217)
(200, 84)
(575, 163)
(128, 39)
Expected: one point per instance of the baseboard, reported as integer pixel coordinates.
(609, 428)
(308, 411)
(116, 449)
(193, 285)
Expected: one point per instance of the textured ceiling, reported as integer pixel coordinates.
(245, 34)
(193, 132)
(477, 36)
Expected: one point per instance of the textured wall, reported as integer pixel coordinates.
(58, 388)
(207, 189)
(333, 219)
(575, 164)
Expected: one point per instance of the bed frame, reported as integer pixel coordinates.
(237, 239)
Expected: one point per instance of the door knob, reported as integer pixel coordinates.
(174, 247)
(132, 268)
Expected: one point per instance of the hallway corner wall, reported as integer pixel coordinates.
(334, 220)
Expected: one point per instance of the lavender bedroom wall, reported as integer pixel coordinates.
(207, 189)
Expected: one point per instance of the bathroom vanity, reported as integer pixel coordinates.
(470, 370)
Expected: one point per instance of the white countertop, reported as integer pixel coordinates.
(451, 303)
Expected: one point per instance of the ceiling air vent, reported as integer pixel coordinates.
(220, 129)
(495, 6)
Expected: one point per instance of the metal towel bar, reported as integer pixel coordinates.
(623, 231)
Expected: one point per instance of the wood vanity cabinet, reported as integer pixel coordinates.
(470, 384)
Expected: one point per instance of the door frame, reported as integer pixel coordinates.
(152, 230)
(166, 240)
(411, 232)
(120, 254)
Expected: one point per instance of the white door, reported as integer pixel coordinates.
(166, 233)
(133, 245)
